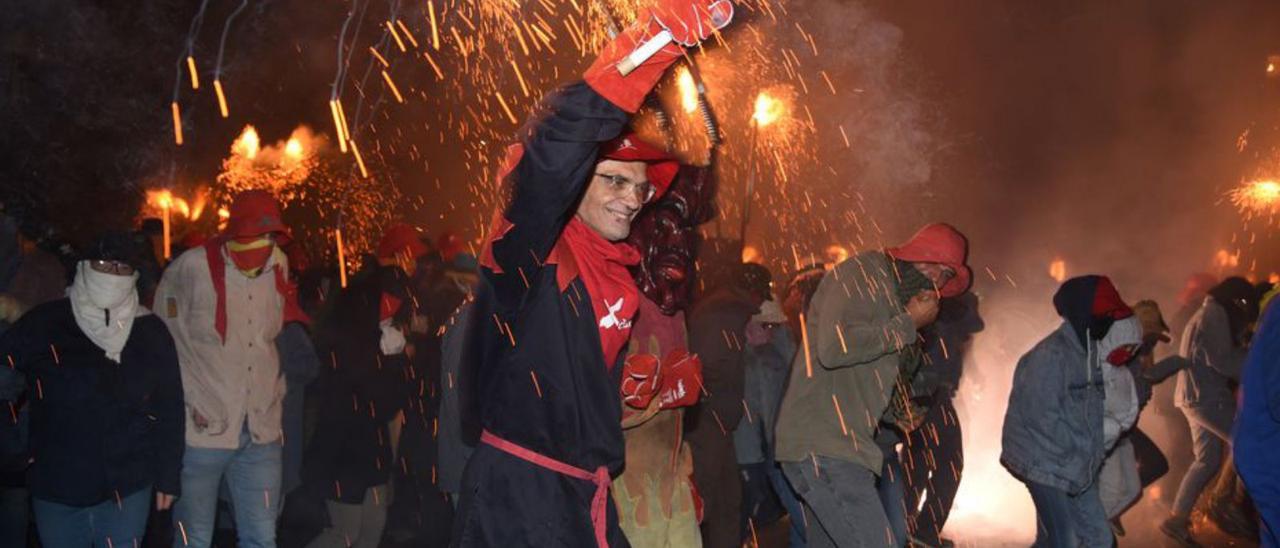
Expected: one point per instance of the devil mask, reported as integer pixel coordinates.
(666, 234)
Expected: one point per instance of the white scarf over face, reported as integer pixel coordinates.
(104, 306)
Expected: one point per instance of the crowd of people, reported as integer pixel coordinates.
(598, 375)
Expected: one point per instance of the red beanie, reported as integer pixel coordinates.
(629, 147)
(939, 243)
(254, 213)
(401, 237)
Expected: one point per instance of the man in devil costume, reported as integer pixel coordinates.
(554, 308)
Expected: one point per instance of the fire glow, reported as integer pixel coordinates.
(1256, 196)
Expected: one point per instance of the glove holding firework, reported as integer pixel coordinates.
(629, 67)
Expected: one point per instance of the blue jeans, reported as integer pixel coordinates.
(790, 502)
(107, 524)
(1211, 437)
(840, 503)
(891, 486)
(1065, 521)
(253, 474)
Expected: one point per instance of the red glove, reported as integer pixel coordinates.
(681, 380)
(640, 377)
(692, 21)
(688, 21)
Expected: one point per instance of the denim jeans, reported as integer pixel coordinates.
(789, 501)
(1065, 521)
(253, 474)
(106, 524)
(840, 502)
(1210, 435)
(891, 486)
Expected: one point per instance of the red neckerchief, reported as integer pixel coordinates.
(602, 265)
(388, 306)
(218, 275)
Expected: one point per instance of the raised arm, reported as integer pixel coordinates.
(847, 330)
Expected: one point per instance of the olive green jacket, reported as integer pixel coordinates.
(841, 382)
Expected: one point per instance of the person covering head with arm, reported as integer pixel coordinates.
(861, 320)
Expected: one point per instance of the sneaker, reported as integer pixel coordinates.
(1179, 529)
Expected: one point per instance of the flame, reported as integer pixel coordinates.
(247, 144)
(768, 110)
(1257, 196)
(1226, 259)
(181, 206)
(1058, 270)
(688, 90)
(751, 254)
(1271, 68)
(197, 205)
(837, 254)
(293, 149)
(160, 198)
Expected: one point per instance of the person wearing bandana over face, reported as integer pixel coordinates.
(225, 302)
(1070, 401)
(555, 303)
(101, 374)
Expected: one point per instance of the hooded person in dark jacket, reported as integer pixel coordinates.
(554, 307)
(107, 416)
(1060, 423)
(362, 394)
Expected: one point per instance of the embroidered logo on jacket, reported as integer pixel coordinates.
(611, 319)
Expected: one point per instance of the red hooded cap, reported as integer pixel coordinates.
(629, 147)
(401, 237)
(254, 213)
(939, 243)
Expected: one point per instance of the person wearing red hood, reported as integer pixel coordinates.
(861, 325)
(1071, 400)
(225, 302)
(555, 303)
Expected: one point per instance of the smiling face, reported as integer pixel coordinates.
(610, 204)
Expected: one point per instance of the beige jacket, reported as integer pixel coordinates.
(225, 383)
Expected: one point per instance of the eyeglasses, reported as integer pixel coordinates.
(620, 185)
(112, 267)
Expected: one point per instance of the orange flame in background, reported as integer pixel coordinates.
(1256, 196)
(751, 254)
(247, 144)
(159, 198)
(768, 109)
(1273, 65)
(1226, 259)
(293, 149)
(688, 90)
(836, 254)
(1058, 270)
